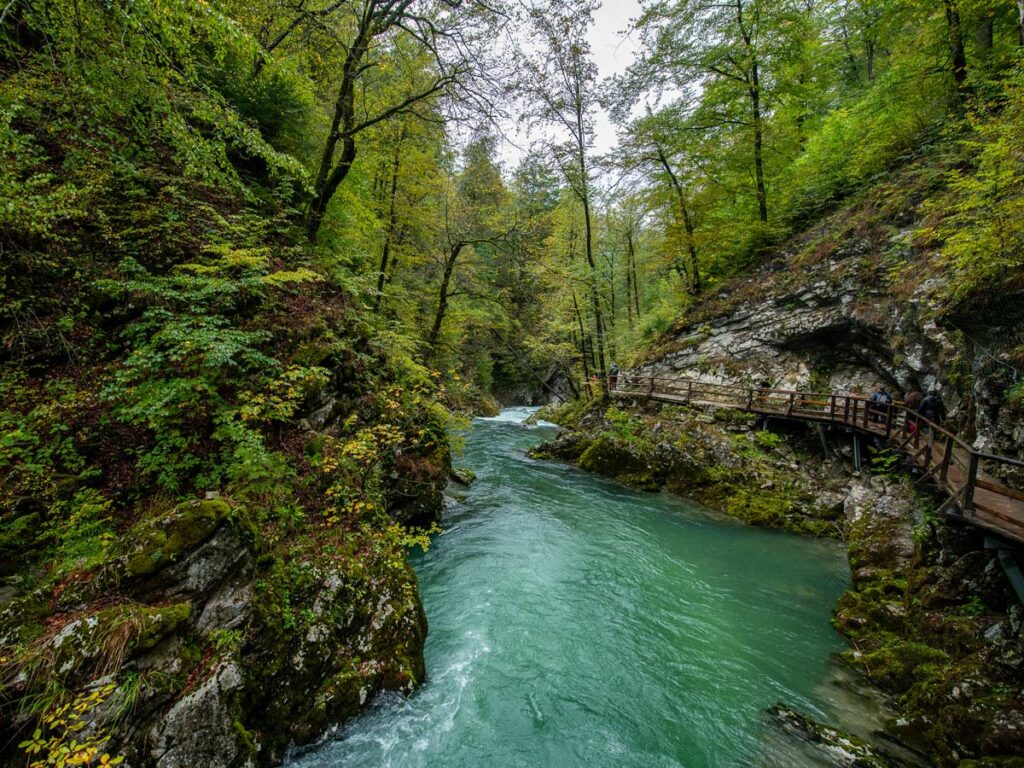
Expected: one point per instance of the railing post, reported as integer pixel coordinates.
(849, 418)
(889, 410)
(972, 479)
(650, 386)
(750, 399)
(867, 412)
(689, 391)
(947, 457)
(789, 408)
(832, 408)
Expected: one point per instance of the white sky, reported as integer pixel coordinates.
(612, 52)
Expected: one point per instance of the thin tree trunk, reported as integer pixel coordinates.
(442, 303)
(392, 223)
(691, 245)
(329, 176)
(1020, 22)
(636, 282)
(589, 241)
(755, 106)
(629, 278)
(957, 52)
(754, 89)
(695, 284)
(583, 346)
(869, 57)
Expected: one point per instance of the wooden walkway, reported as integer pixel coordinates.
(957, 468)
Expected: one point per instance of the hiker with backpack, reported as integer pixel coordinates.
(881, 400)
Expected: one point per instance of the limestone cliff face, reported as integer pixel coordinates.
(838, 311)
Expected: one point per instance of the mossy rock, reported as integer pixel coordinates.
(155, 543)
(18, 534)
(463, 475)
(610, 457)
(899, 665)
(765, 507)
(104, 640)
(487, 406)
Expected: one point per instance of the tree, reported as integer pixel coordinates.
(721, 49)
(477, 214)
(396, 57)
(560, 83)
(653, 144)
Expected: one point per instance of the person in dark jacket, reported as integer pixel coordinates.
(932, 407)
(613, 376)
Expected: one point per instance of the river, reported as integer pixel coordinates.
(575, 623)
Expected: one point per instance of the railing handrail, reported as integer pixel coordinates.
(835, 415)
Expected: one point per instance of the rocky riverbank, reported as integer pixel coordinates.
(931, 617)
(217, 632)
(197, 642)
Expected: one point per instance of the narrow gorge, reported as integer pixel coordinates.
(721, 303)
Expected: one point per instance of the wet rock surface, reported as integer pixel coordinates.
(223, 650)
(820, 744)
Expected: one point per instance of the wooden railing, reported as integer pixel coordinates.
(939, 453)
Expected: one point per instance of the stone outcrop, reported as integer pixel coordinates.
(714, 456)
(224, 650)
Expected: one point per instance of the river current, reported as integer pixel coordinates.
(576, 623)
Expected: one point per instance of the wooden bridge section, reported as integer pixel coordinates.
(957, 468)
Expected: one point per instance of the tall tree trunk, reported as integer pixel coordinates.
(392, 224)
(695, 282)
(589, 248)
(629, 278)
(330, 175)
(755, 108)
(442, 302)
(636, 282)
(753, 80)
(325, 191)
(583, 346)
(684, 212)
(958, 55)
(869, 58)
(1020, 22)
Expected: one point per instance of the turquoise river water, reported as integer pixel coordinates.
(574, 622)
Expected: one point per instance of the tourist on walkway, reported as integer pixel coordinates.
(932, 407)
(880, 402)
(613, 376)
(912, 403)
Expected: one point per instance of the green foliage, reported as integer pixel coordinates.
(626, 426)
(981, 214)
(767, 440)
